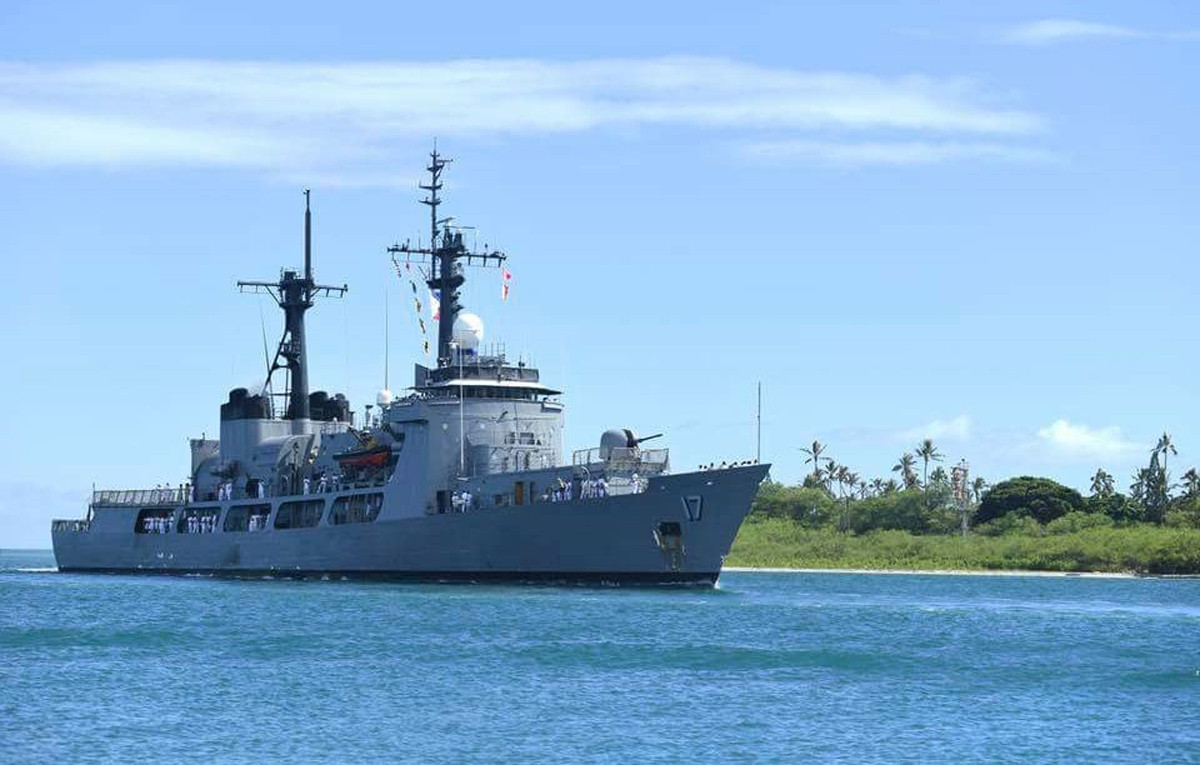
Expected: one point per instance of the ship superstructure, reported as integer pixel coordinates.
(461, 478)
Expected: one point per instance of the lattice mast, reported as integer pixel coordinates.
(444, 258)
(294, 293)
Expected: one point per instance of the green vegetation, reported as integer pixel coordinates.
(1039, 498)
(1144, 549)
(931, 520)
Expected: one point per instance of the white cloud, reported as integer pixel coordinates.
(1049, 31)
(898, 153)
(1070, 440)
(293, 117)
(958, 428)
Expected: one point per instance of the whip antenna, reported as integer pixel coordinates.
(387, 335)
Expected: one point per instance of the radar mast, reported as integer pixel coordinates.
(294, 293)
(444, 257)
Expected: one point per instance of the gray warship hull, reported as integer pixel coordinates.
(615, 539)
(461, 478)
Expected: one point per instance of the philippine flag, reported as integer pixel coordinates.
(435, 303)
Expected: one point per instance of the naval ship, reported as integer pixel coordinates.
(461, 478)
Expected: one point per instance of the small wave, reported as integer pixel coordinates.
(37, 570)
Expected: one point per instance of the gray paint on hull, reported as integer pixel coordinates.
(581, 540)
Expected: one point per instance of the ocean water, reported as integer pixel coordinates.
(767, 668)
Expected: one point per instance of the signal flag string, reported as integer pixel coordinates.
(419, 308)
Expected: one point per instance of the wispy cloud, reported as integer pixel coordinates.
(1050, 31)
(957, 428)
(286, 118)
(1070, 440)
(896, 153)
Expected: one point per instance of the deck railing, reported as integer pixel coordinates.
(168, 496)
(70, 525)
(625, 460)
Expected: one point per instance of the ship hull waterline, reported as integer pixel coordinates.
(612, 540)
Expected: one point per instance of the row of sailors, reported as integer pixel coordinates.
(256, 490)
(462, 501)
(156, 525)
(201, 524)
(320, 486)
(193, 524)
(590, 488)
(594, 488)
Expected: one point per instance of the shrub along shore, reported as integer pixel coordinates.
(933, 520)
(1139, 549)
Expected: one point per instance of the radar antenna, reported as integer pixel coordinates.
(294, 293)
(444, 257)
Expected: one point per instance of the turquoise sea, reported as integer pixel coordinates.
(767, 668)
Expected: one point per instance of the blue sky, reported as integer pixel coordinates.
(906, 219)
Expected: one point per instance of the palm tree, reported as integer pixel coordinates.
(879, 487)
(842, 476)
(929, 453)
(1191, 483)
(939, 475)
(1151, 488)
(832, 469)
(1103, 484)
(1166, 445)
(1137, 489)
(814, 456)
(978, 487)
(905, 467)
(890, 486)
(851, 479)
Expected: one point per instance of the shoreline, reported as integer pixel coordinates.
(944, 572)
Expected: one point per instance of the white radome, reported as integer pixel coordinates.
(468, 331)
(384, 397)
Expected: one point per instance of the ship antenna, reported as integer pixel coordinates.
(758, 428)
(387, 334)
(262, 324)
(307, 238)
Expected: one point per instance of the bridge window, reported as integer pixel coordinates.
(247, 517)
(154, 520)
(299, 515)
(356, 508)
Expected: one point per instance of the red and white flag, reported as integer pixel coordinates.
(505, 283)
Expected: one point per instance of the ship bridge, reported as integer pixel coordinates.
(482, 377)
